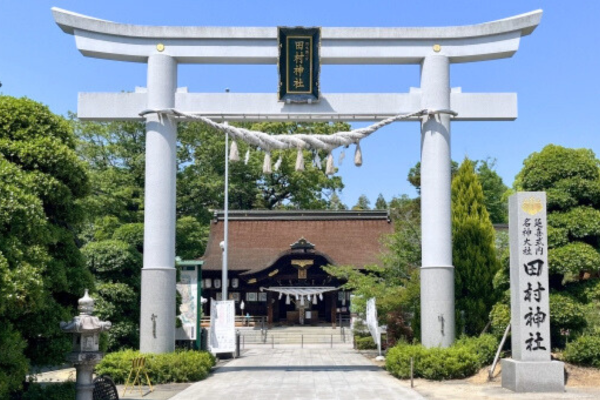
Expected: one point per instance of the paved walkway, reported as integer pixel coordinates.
(294, 374)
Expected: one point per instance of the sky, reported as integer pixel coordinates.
(555, 72)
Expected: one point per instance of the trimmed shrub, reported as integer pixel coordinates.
(461, 360)
(365, 343)
(179, 366)
(585, 350)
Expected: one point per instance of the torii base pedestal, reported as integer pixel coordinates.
(533, 376)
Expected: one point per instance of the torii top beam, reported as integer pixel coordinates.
(234, 45)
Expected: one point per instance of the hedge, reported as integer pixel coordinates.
(179, 366)
(585, 350)
(461, 360)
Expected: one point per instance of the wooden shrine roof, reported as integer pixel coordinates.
(257, 239)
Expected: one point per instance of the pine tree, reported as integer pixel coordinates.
(474, 253)
(380, 203)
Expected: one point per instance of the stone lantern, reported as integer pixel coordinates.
(85, 353)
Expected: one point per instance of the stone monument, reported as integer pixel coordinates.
(530, 369)
(85, 353)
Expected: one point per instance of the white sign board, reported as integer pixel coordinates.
(372, 323)
(221, 338)
(188, 310)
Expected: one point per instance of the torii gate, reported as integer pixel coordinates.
(163, 48)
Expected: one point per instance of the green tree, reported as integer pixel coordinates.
(202, 171)
(494, 190)
(113, 234)
(380, 203)
(42, 273)
(362, 203)
(335, 203)
(414, 174)
(571, 180)
(395, 283)
(473, 250)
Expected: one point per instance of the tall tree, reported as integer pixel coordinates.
(202, 166)
(473, 250)
(363, 203)
(494, 191)
(380, 203)
(42, 273)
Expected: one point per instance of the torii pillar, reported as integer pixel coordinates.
(163, 48)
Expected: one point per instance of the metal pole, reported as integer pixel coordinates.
(491, 374)
(224, 282)
(412, 384)
(302, 341)
(199, 308)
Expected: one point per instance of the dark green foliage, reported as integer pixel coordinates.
(461, 360)
(380, 203)
(573, 258)
(112, 257)
(191, 237)
(500, 317)
(585, 350)
(202, 165)
(132, 234)
(571, 179)
(180, 366)
(574, 172)
(474, 253)
(565, 313)
(42, 273)
(364, 343)
(50, 391)
(494, 191)
(13, 363)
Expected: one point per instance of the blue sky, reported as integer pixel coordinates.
(555, 72)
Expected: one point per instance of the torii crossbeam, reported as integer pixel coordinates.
(163, 48)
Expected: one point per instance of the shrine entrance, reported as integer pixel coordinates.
(276, 262)
(162, 104)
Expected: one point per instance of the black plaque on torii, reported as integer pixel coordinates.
(299, 64)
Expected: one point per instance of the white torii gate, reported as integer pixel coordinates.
(163, 48)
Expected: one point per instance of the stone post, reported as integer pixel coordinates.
(437, 272)
(157, 319)
(85, 353)
(530, 369)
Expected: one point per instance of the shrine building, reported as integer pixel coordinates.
(275, 261)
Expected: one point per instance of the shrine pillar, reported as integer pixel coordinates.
(437, 272)
(157, 317)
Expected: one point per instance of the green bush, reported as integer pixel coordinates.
(179, 366)
(50, 391)
(365, 343)
(461, 360)
(585, 350)
(500, 317)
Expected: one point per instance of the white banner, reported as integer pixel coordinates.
(372, 323)
(221, 338)
(188, 310)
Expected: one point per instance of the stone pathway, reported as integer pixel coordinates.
(294, 374)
